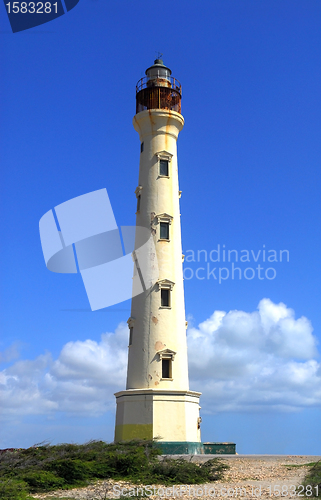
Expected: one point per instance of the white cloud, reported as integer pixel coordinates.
(240, 361)
(82, 380)
(253, 361)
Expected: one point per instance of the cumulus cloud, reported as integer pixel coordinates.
(241, 361)
(255, 361)
(82, 380)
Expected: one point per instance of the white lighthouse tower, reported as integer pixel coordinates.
(157, 402)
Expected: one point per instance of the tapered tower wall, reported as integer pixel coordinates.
(156, 327)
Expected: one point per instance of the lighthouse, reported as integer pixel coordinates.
(157, 402)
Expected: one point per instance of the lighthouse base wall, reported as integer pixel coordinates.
(165, 415)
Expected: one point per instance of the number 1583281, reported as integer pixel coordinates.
(31, 7)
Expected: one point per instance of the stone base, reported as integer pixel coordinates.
(194, 448)
(164, 415)
(219, 448)
(180, 448)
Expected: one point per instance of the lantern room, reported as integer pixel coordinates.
(158, 89)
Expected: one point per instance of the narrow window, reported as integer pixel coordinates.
(163, 167)
(165, 297)
(138, 203)
(166, 368)
(142, 147)
(131, 335)
(164, 231)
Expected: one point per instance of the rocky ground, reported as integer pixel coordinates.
(249, 477)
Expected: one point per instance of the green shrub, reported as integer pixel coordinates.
(13, 490)
(71, 470)
(215, 469)
(103, 468)
(313, 480)
(180, 471)
(44, 468)
(131, 463)
(42, 480)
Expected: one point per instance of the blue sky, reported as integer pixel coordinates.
(249, 169)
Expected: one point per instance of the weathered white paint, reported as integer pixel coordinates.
(165, 406)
